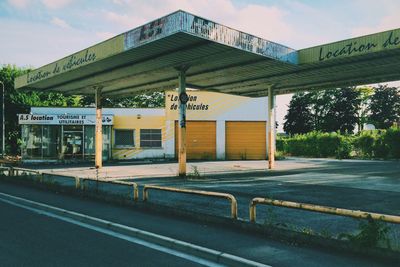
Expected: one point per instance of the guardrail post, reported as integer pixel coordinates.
(135, 192)
(145, 194)
(233, 208)
(252, 210)
(82, 184)
(77, 182)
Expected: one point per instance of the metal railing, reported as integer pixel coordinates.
(15, 171)
(321, 209)
(135, 188)
(230, 197)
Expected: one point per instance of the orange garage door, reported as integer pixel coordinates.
(200, 139)
(245, 140)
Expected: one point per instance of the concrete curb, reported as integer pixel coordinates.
(202, 252)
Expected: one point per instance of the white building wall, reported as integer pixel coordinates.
(220, 139)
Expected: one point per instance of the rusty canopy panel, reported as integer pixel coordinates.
(219, 59)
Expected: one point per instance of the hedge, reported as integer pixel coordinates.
(368, 144)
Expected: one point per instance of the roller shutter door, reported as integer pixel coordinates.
(245, 140)
(200, 140)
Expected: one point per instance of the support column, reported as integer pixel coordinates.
(182, 122)
(271, 129)
(98, 130)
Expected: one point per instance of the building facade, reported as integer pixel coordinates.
(219, 127)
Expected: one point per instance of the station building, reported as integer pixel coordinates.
(219, 127)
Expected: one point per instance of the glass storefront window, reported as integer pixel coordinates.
(51, 141)
(32, 141)
(106, 142)
(89, 142)
(62, 142)
(89, 139)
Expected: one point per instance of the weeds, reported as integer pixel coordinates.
(195, 173)
(371, 234)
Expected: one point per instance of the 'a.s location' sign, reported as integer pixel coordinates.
(62, 119)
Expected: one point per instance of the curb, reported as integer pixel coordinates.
(182, 246)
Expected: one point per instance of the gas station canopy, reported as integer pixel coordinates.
(217, 58)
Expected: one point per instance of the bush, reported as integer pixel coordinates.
(368, 144)
(392, 141)
(316, 144)
(364, 144)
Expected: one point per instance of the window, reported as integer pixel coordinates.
(124, 138)
(150, 138)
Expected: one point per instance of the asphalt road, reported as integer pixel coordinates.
(31, 239)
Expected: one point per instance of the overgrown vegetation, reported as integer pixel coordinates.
(381, 144)
(371, 233)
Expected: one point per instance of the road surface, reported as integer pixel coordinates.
(35, 237)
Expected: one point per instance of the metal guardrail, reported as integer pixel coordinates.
(15, 171)
(321, 209)
(135, 188)
(230, 197)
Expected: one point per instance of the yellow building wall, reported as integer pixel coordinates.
(136, 123)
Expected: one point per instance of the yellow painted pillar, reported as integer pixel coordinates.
(99, 130)
(271, 129)
(182, 122)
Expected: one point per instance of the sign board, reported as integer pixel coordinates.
(82, 58)
(352, 47)
(63, 119)
(204, 105)
(181, 21)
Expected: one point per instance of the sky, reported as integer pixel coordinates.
(36, 32)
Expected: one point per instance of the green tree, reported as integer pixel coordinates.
(384, 107)
(365, 99)
(342, 107)
(327, 111)
(145, 100)
(298, 118)
(17, 102)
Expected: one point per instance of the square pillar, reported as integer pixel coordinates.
(183, 98)
(98, 130)
(271, 129)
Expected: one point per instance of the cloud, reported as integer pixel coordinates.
(19, 3)
(26, 47)
(386, 23)
(125, 21)
(56, 4)
(105, 35)
(263, 21)
(60, 23)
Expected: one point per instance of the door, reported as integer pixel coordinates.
(201, 141)
(245, 140)
(73, 145)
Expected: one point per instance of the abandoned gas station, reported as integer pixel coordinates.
(183, 51)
